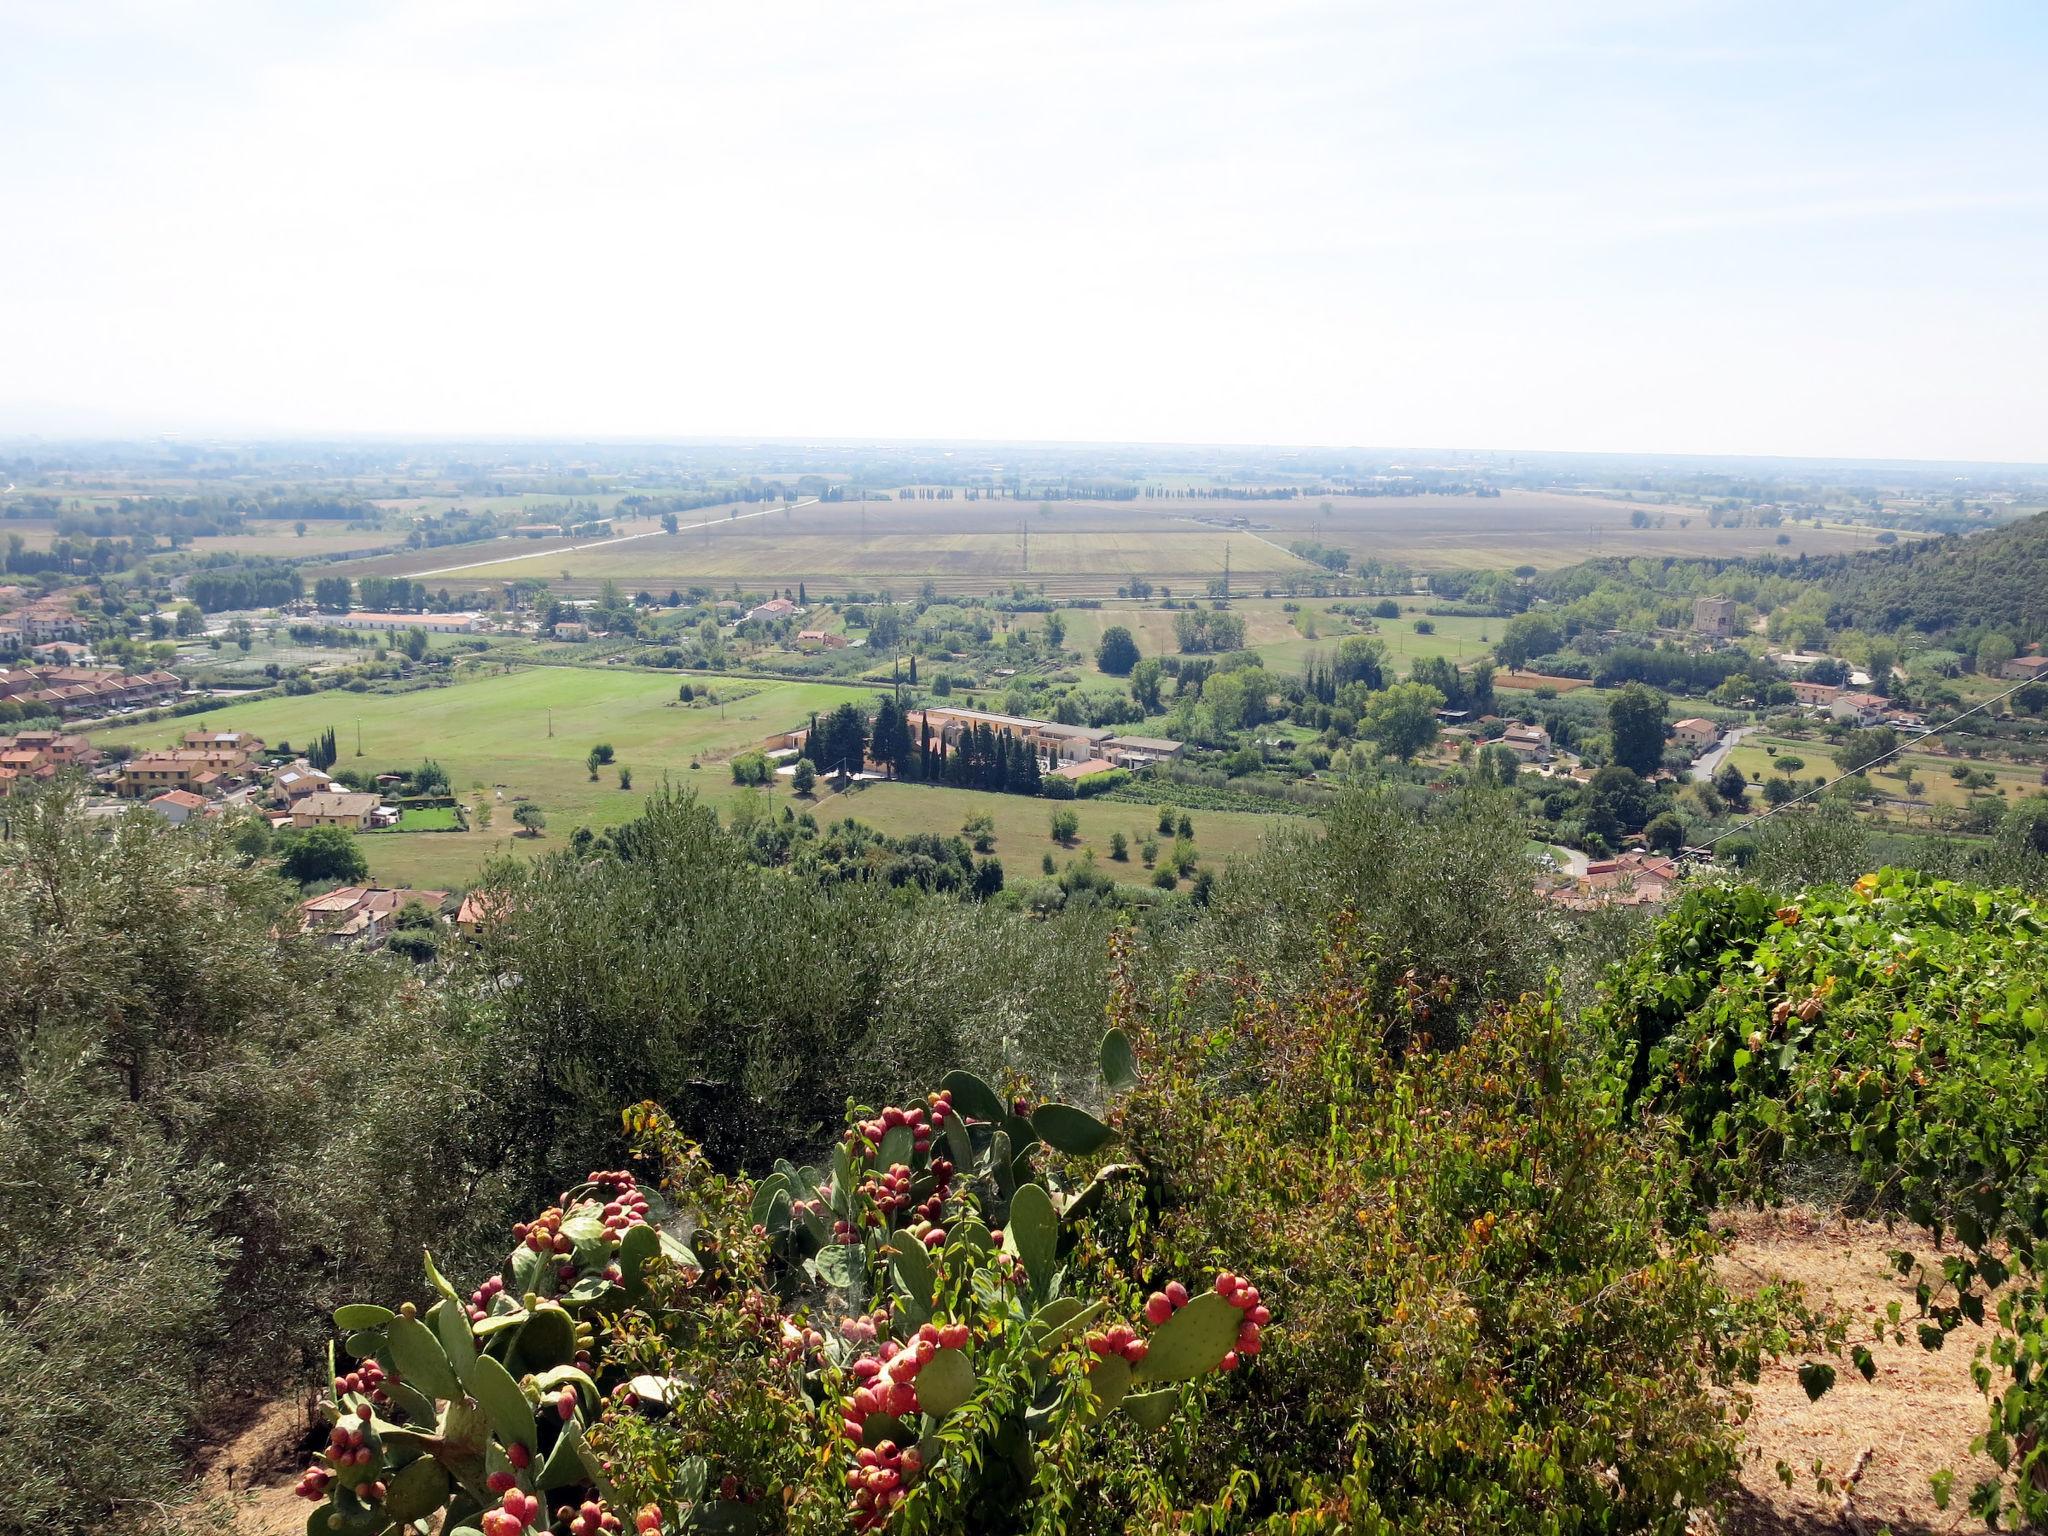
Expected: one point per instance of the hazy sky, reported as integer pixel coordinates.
(1771, 228)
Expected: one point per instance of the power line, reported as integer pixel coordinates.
(1821, 789)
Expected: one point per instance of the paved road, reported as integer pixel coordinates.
(1709, 763)
(624, 538)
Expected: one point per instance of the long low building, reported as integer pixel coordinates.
(432, 623)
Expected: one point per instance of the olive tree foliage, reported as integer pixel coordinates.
(1447, 882)
(180, 1078)
(750, 1003)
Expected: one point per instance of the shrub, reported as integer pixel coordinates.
(912, 1336)
(751, 769)
(1458, 1237)
(1066, 826)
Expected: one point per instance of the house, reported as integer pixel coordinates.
(478, 908)
(293, 782)
(1531, 742)
(432, 623)
(1141, 751)
(774, 608)
(224, 741)
(177, 806)
(2025, 669)
(84, 690)
(572, 630)
(1863, 708)
(820, 640)
(1634, 879)
(1815, 695)
(1696, 734)
(1714, 617)
(328, 808)
(200, 769)
(361, 914)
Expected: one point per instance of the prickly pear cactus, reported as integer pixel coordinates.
(891, 1337)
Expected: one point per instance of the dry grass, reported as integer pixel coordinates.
(1916, 1416)
(1081, 548)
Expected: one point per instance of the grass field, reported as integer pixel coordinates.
(1281, 637)
(493, 731)
(1089, 548)
(1930, 770)
(1023, 825)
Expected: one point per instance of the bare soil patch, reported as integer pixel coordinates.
(1917, 1415)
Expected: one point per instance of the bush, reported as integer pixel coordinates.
(1066, 826)
(752, 769)
(1578, 1342)
(324, 853)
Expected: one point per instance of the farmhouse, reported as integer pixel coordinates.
(1141, 751)
(1635, 879)
(432, 623)
(1814, 695)
(1695, 734)
(1531, 742)
(2025, 668)
(774, 608)
(1055, 744)
(820, 640)
(330, 808)
(361, 914)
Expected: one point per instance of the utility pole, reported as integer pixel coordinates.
(1226, 570)
(551, 722)
(359, 735)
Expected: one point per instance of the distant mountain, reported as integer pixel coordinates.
(1999, 577)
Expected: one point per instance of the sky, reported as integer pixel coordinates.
(1626, 225)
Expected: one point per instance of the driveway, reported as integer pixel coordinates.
(1709, 763)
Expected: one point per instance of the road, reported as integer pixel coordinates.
(1705, 766)
(624, 538)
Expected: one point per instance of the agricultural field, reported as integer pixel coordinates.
(1930, 770)
(493, 732)
(1283, 639)
(1081, 548)
(1023, 825)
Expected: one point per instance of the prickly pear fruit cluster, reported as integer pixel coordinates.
(516, 1513)
(588, 1519)
(881, 1476)
(887, 1380)
(1119, 1339)
(1244, 1296)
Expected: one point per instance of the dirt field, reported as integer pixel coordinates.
(1090, 548)
(1917, 1415)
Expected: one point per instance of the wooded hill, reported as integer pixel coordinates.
(1996, 579)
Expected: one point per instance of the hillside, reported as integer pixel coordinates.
(1997, 578)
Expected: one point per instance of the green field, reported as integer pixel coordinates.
(1279, 636)
(494, 731)
(1023, 825)
(1929, 770)
(492, 735)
